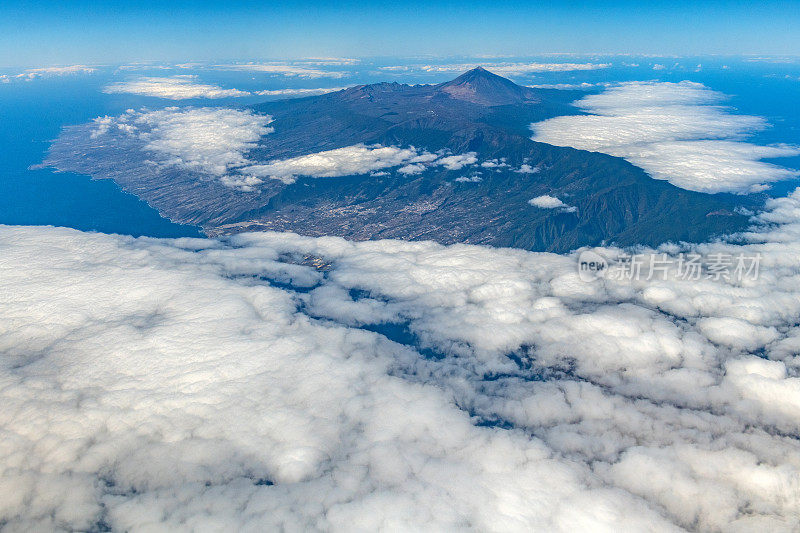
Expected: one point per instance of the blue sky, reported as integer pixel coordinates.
(37, 33)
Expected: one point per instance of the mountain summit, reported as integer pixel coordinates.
(482, 87)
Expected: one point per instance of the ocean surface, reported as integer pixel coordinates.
(33, 112)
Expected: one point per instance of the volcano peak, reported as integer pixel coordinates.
(483, 87)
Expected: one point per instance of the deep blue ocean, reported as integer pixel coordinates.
(33, 112)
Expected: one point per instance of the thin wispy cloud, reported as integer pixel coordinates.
(568, 86)
(503, 69)
(173, 88)
(324, 61)
(298, 92)
(49, 72)
(186, 86)
(284, 70)
(148, 65)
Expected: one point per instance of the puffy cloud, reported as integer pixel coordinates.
(712, 166)
(551, 202)
(674, 132)
(357, 159)
(347, 161)
(173, 88)
(457, 162)
(525, 168)
(495, 163)
(546, 202)
(272, 381)
(209, 140)
(412, 169)
(285, 70)
(215, 141)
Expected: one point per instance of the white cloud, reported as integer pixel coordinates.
(525, 168)
(457, 162)
(412, 169)
(185, 86)
(513, 69)
(674, 132)
(331, 61)
(152, 65)
(551, 202)
(299, 92)
(156, 384)
(350, 160)
(173, 88)
(495, 163)
(214, 141)
(285, 70)
(565, 86)
(355, 160)
(46, 72)
(712, 166)
(208, 140)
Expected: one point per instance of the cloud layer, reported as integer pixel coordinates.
(674, 131)
(272, 381)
